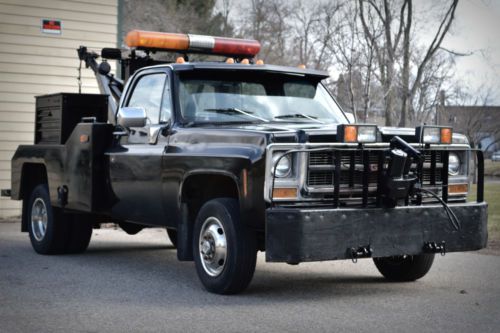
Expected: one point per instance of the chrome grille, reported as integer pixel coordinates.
(320, 158)
(320, 178)
(321, 169)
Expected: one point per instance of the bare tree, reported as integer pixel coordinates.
(409, 90)
(266, 21)
(374, 13)
(395, 49)
(426, 99)
(354, 55)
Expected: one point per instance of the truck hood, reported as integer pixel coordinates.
(264, 134)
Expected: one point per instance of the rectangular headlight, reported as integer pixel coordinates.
(353, 133)
(434, 134)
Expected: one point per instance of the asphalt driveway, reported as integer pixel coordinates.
(135, 283)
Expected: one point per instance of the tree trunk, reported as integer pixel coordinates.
(406, 66)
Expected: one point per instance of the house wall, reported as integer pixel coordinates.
(35, 63)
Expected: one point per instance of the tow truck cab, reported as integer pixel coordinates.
(238, 156)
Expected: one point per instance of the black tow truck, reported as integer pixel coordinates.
(236, 156)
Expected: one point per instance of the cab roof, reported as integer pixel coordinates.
(222, 66)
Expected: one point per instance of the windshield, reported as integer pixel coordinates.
(257, 98)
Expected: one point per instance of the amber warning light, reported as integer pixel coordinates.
(192, 43)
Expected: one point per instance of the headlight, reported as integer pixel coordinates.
(453, 164)
(284, 166)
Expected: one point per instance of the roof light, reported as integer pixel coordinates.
(180, 60)
(157, 40)
(434, 134)
(353, 133)
(192, 43)
(229, 61)
(245, 61)
(302, 66)
(259, 62)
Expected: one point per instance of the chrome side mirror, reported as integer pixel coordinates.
(132, 117)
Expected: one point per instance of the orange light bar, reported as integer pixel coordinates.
(193, 43)
(446, 135)
(458, 188)
(157, 40)
(285, 193)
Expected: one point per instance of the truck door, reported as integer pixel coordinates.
(135, 166)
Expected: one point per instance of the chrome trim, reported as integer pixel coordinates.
(300, 167)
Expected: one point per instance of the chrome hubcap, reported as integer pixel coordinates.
(39, 219)
(213, 246)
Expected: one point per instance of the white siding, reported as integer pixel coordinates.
(33, 63)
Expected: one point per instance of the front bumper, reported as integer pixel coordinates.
(296, 235)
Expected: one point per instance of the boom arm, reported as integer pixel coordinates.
(108, 84)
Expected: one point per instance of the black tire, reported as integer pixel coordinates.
(80, 232)
(404, 268)
(54, 238)
(172, 235)
(238, 266)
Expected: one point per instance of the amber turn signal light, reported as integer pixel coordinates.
(285, 193)
(446, 135)
(458, 188)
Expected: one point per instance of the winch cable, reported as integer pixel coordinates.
(451, 216)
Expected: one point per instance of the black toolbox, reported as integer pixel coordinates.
(58, 114)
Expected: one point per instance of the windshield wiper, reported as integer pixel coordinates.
(299, 116)
(236, 111)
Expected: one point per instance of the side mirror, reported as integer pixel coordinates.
(350, 117)
(132, 117)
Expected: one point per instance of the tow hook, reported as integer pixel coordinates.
(433, 247)
(360, 252)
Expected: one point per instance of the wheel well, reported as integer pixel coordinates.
(198, 189)
(32, 175)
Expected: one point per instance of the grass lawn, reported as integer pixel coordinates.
(492, 168)
(492, 196)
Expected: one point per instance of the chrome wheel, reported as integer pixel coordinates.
(213, 246)
(39, 218)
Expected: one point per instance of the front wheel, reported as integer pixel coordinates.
(224, 250)
(404, 268)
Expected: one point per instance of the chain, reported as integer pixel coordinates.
(79, 78)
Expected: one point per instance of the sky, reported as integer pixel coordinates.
(477, 29)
